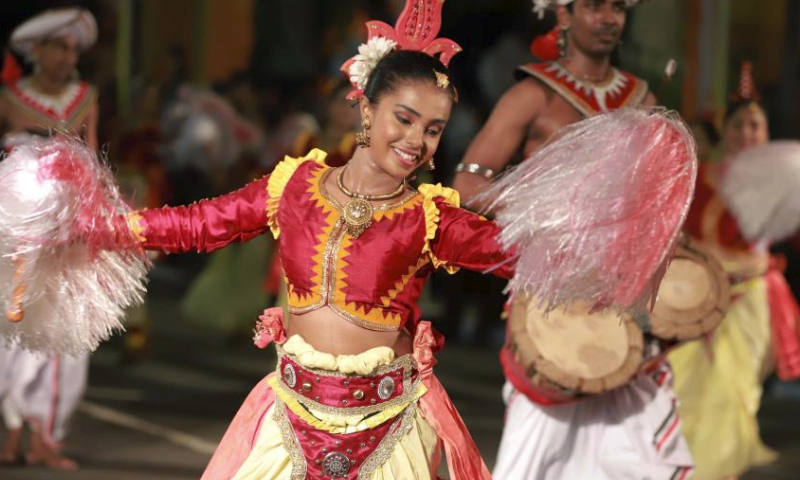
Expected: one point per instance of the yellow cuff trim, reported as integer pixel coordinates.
(138, 226)
(450, 196)
(341, 424)
(278, 180)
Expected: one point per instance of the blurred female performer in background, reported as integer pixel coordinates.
(718, 381)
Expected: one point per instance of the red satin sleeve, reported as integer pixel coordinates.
(467, 240)
(207, 225)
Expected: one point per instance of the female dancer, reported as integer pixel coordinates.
(357, 245)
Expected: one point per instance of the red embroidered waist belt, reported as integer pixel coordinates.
(463, 458)
(382, 403)
(343, 394)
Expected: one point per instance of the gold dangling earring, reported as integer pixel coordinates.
(431, 165)
(362, 137)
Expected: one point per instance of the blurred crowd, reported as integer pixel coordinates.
(180, 141)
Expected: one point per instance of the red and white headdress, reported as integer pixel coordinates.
(540, 6)
(78, 22)
(416, 29)
(747, 90)
(545, 47)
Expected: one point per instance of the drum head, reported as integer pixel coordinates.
(589, 353)
(693, 297)
(687, 285)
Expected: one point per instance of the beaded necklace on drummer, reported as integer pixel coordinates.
(357, 212)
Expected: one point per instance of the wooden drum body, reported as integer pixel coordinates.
(693, 297)
(571, 352)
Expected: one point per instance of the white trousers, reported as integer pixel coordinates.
(631, 433)
(43, 391)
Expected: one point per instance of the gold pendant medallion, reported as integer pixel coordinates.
(357, 214)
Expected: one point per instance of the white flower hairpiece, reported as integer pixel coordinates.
(369, 54)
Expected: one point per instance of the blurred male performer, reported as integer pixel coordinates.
(619, 434)
(40, 391)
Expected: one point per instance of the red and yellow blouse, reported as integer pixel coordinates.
(709, 219)
(374, 280)
(714, 227)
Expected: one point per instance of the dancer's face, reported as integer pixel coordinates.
(746, 128)
(58, 57)
(407, 125)
(595, 26)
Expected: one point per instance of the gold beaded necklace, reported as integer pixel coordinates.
(357, 212)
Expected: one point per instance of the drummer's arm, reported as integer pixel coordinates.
(467, 240)
(495, 145)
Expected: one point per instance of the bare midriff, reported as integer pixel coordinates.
(328, 332)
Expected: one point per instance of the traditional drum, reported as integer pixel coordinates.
(693, 297)
(568, 352)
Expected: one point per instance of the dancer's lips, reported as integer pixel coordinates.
(408, 158)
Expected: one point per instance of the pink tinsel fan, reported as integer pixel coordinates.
(761, 186)
(69, 264)
(594, 215)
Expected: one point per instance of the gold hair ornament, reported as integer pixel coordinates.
(442, 80)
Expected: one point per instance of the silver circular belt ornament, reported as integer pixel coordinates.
(386, 388)
(289, 375)
(336, 465)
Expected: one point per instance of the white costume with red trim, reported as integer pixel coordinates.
(44, 391)
(67, 110)
(621, 90)
(631, 433)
